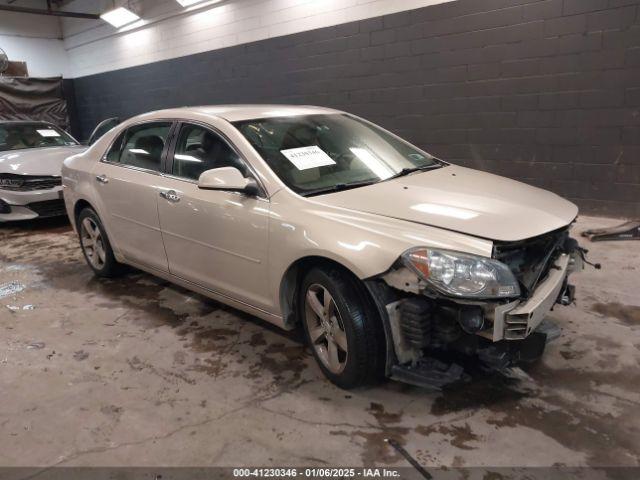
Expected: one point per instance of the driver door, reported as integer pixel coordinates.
(216, 239)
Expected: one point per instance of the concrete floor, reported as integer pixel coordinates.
(138, 372)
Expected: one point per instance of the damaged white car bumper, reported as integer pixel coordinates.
(43, 201)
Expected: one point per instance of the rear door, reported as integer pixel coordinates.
(127, 182)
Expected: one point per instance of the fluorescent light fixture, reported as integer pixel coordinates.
(188, 3)
(119, 17)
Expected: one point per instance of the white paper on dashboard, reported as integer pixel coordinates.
(48, 133)
(308, 157)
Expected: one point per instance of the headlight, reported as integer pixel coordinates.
(462, 275)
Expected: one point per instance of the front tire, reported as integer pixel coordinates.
(342, 327)
(95, 245)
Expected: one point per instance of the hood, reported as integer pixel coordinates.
(463, 200)
(37, 161)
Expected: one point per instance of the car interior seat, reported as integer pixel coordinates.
(148, 152)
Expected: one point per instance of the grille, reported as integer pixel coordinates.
(28, 183)
(530, 260)
(516, 327)
(48, 208)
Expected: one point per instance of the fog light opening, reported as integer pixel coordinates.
(471, 320)
(4, 207)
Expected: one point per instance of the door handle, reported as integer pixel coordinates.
(102, 179)
(170, 195)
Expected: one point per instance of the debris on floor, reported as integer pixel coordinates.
(626, 231)
(11, 288)
(15, 308)
(80, 355)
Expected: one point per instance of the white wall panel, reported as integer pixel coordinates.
(34, 39)
(168, 31)
(45, 57)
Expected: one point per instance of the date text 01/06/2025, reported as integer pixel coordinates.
(316, 472)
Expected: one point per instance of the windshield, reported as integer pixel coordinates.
(320, 153)
(18, 136)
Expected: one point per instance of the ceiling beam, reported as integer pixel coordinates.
(53, 13)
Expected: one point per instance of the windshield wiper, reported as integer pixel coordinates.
(340, 187)
(408, 170)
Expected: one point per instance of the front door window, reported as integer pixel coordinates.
(199, 149)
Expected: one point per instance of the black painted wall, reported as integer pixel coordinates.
(544, 91)
(69, 94)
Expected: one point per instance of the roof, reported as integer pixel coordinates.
(233, 113)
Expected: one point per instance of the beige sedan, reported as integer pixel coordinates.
(389, 258)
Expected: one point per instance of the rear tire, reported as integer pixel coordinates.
(96, 246)
(342, 327)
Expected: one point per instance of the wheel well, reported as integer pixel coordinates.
(293, 278)
(289, 292)
(79, 206)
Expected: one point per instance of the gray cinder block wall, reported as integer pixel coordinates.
(546, 91)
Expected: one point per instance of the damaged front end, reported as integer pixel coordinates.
(438, 303)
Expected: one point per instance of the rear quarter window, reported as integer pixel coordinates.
(113, 153)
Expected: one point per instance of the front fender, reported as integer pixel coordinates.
(366, 244)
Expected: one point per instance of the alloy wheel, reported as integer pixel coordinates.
(92, 243)
(326, 329)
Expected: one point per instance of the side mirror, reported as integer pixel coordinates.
(229, 179)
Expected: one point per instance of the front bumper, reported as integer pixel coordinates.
(518, 319)
(31, 204)
(424, 331)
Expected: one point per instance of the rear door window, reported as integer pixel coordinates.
(142, 146)
(113, 154)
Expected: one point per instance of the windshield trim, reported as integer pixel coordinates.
(340, 187)
(352, 186)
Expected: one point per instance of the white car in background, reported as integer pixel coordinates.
(31, 156)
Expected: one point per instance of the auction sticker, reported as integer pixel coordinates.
(308, 157)
(48, 133)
